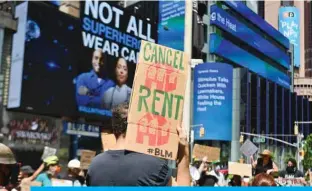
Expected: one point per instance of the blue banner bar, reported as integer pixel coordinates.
(228, 50)
(255, 19)
(230, 24)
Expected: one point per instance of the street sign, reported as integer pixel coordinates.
(258, 140)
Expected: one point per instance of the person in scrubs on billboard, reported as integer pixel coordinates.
(121, 92)
(90, 86)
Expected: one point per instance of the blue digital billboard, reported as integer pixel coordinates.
(228, 50)
(230, 24)
(213, 95)
(248, 14)
(171, 24)
(289, 26)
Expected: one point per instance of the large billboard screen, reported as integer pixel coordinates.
(171, 24)
(83, 66)
(289, 26)
(229, 51)
(213, 95)
(230, 24)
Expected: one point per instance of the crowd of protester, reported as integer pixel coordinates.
(119, 167)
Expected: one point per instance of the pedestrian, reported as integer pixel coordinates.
(7, 162)
(74, 173)
(51, 170)
(263, 179)
(291, 170)
(25, 172)
(120, 167)
(207, 180)
(236, 180)
(264, 164)
(216, 172)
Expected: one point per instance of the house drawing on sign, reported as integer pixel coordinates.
(155, 128)
(163, 77)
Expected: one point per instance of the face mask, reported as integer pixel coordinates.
(290, 169)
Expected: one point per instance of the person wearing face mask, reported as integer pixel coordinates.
(291, 170)
(51, 170)
(264, 164)
(121, 92)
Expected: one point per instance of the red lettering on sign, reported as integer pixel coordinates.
(155, 127)
(164, 77)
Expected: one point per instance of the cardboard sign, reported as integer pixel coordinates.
(157, 101)
(86, 158)
(240, 169)
(108, 141)
(289, 181)
(61, 182)
(48, 152)
(248, 148)
(201, 151)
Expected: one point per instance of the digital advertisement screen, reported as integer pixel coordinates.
(213, 95)
(230, 24)
(228, 50)
(79, 67)
(255, 19)
(289, 26)
(171, 24)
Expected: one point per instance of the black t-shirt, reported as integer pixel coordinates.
(126, 168)
(297, 174)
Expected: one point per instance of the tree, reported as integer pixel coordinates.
(307, 160)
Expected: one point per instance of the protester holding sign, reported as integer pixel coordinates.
(264, 164)
(51, 170)
(119, 167)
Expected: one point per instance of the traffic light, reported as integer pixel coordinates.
(301, 154)
(296, 129)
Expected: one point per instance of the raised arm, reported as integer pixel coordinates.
(183, 174)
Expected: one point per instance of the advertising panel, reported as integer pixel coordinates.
(157, 101)
(228, 50)
(81, 129)
(15, 88)
(80, 66)
(230, 24)
(213, 101)
(289, 26)
(171, 24)
(255, 19)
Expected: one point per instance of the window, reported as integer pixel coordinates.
(287, 3)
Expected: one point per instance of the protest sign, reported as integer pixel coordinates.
(290, 181)
(157, 100)
(240, 169)
(248, 148)
(201, 151)
(108, 141)
(86, 158)
(47, 152)
(61, 182)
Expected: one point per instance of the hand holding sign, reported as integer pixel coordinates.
(48, 152)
